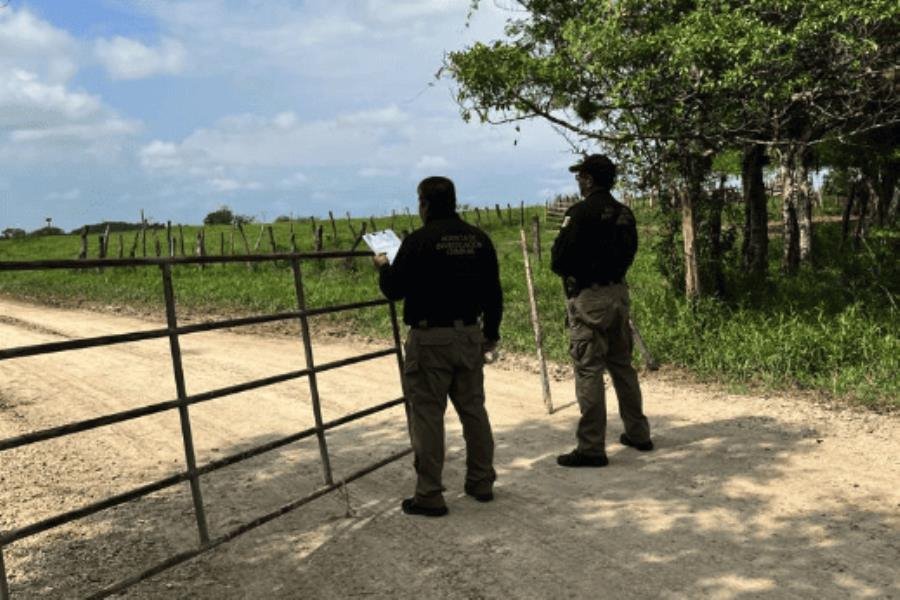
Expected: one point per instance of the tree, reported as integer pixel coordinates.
(12, 232)
(221, 216)
(669, 84)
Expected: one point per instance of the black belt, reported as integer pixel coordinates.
(426, 323)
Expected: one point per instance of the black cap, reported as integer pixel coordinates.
(594, 164)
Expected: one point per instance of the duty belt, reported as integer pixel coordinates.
(426, 323)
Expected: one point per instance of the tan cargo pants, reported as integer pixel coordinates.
(442, 362)
(601, 340)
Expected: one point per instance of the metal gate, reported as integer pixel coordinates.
(192, 472)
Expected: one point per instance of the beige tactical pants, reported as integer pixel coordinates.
(601, 340)
(441, 362)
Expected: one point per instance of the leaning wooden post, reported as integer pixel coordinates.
(334, 236)
(157, 245)
(499, 213)
(143, 236)
(84, 243)
(272, 240)
(318, 242)
(536, 324)
(477, 216)
(509, 214)
(181, 240)
(262, 228)
(134, 244)
(350, 226)
(294, 243)
(169, 247)
(372, 224)
(536, 235)
(522, 214)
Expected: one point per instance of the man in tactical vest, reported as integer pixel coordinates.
(592, 253)
(447, 274)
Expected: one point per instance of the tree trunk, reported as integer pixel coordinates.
(688, 230)
(804, 204)
(714, 231)
(790, 255)
(756, 218)
(887, 182)
(852, 193)
(865, 194)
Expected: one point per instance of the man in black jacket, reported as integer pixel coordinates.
(447, 274)
(592, 253)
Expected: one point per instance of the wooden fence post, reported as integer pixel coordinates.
(499, 213)
(372, 223)
(262, 228)
(181, 240)
(350, 226)
(536, 325)
(294, 243)
(121, 246)
(222, 245)
(169, 247)
(272, 240)
(477, 216)
(349, 262)
(318, 244)
(82, 254)
(143, 236)
(201, 245)
(157, 245)
(134, 244)
(536, 236)
(334, 236)
(522, 214)
(509, 214)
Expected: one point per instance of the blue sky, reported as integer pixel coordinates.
(271, 107)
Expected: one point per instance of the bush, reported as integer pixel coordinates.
(48, 230)
(222, 216)
(12, 232)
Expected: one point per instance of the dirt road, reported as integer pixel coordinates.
(745, 497)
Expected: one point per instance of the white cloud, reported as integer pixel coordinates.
(293, 181)
(25, 101)
(432, 163)
(398, 10)
(125, 58)
(233, 185)
(73, 194)
(29, 44)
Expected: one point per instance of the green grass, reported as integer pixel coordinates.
(831, 329)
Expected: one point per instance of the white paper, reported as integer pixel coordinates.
(383, 242)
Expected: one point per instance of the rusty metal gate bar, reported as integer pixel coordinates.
(183, 415)
(310, 365)
(192, 474)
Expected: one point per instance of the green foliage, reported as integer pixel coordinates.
(12, 232)
(220, 216)
(832, 328)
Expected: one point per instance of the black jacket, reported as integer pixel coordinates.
(446, 270)
(597, 241)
